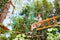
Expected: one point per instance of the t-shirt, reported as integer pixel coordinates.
(38, 19)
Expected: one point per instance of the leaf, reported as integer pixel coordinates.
(18, 36)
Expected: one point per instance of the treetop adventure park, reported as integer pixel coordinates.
(39, 23)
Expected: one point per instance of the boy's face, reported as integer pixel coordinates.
(39, 16)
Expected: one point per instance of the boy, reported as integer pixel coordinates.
(39, 19)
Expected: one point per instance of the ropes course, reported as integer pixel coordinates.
(47, 23)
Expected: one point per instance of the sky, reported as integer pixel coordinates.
(50, 0)
(7, 20)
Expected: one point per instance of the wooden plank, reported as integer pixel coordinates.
(3, 27)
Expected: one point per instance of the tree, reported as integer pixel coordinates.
(18, 27)
(2, 4)
(47, 8)
(56, 5)
(37, 7)
(18, 24)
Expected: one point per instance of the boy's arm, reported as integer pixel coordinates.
(36, 19)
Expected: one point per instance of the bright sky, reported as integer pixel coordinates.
(7, 20)
(50, 0)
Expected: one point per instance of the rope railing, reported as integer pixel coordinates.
(47, 21)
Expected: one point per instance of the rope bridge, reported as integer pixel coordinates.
(47, 23)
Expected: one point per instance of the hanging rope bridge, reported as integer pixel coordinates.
(47, 23)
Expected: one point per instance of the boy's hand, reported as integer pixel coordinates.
(35, 19)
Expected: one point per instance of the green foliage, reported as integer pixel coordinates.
(53, 34)
(20, 37)
(3, 38)
(47, 8)
(2, 31)
(12, 35)
(57, 6)
(37, 6)
(53, 37)
(18, 24)
(47, 5)
(25, 10)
